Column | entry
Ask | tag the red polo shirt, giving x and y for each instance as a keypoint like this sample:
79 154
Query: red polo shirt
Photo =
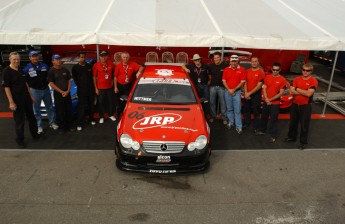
104 74
233 77
125 73
254 77
303 84
274 85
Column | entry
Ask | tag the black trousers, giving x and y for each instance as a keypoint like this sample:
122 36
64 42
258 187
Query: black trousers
24 109
252 105
85 102
271 111
106 102
64 114
300 114
123 90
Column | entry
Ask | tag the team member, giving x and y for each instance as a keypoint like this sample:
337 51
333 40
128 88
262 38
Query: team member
302 90
83 78
19 98
36 73
59 79
273 89
199 74
125 73
252 94
216 87
233 79
103 72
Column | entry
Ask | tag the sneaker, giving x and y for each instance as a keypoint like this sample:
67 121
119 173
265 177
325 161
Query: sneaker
225 122
93 123
112 118
101 120
239 130
21 145
230 126
79 128
54 126
272 140
39 130
259 133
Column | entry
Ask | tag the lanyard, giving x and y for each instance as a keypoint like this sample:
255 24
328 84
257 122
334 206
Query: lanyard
125 68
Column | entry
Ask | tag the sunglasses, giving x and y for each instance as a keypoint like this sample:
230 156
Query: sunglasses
275 70
307 70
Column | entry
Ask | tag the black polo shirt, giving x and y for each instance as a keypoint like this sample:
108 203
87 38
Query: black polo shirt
83 78
16 81
216 72
60 77
198 75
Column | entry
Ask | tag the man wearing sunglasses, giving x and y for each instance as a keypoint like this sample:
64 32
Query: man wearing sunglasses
272 89
302 90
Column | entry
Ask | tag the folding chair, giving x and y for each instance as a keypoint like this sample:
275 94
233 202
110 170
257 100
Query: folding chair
182 57
168 57
151 57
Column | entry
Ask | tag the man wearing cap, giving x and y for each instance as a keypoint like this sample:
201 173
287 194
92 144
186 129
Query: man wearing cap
19 98
216 87
37 73
252 94
59 79
199 74
233 79
103 72
125 74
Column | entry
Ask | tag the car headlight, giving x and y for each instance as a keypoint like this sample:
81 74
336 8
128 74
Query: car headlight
199 143
127 142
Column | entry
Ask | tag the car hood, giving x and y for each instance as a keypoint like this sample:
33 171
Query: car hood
163 122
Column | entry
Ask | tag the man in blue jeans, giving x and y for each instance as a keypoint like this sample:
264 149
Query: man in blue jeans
216 87
36 73
234 77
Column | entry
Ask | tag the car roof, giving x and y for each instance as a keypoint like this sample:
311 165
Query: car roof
164 70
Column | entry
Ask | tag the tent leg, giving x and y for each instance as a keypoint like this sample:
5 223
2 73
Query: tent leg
330 84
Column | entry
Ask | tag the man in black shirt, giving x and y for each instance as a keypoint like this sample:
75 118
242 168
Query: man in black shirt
20 98
83 78
216 87
59 79
199 74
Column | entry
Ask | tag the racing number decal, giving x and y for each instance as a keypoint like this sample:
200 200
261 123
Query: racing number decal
156 120
136 115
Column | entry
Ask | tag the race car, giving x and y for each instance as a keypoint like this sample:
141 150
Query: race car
163 129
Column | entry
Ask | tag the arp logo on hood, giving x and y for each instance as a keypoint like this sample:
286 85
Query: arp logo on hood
157 120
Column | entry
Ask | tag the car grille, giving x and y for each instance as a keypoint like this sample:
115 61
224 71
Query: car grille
163 147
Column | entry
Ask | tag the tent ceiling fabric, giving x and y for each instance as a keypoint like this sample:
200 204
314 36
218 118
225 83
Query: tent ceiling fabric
266 24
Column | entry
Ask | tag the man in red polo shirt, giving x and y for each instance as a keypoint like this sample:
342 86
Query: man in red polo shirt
252 94
103 72
302 89
272 89
125 74
233 78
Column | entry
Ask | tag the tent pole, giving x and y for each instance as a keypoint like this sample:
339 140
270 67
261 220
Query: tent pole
97 51
330 83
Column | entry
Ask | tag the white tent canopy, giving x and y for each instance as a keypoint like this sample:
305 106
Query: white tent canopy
266 24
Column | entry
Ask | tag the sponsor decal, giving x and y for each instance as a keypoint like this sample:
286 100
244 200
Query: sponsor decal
143 99
179 128
163 159
164 81
162 171
157 120
164 72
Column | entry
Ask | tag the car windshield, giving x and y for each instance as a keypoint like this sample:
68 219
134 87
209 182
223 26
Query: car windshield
164 91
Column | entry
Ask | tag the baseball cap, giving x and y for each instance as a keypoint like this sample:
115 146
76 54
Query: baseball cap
56 56
234 57
103 53
31 53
